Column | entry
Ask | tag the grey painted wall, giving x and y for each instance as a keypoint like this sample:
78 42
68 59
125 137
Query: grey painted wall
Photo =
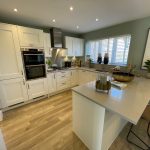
138 30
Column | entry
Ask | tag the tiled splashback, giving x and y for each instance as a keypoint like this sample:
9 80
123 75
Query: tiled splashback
58 59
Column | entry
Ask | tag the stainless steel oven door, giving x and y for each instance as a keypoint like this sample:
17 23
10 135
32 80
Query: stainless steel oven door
35 71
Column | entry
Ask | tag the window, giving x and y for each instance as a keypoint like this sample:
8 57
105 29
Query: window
116 47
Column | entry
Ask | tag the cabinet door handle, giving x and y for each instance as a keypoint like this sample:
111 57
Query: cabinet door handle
23 82
28 86
63 76
54 76
21 72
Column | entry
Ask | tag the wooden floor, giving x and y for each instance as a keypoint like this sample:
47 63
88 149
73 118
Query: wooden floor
47 125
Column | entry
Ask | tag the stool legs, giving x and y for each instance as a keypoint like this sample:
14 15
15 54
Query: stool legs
130 131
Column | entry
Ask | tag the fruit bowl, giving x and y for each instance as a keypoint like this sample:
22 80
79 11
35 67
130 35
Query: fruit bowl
123 76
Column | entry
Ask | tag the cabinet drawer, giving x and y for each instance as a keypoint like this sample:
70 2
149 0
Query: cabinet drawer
63 85
63 74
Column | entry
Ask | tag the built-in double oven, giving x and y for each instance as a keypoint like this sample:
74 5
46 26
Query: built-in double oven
34 63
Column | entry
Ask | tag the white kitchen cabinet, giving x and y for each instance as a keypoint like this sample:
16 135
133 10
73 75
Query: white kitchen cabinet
37 88
74 77
12 92
83 77
81 47
51 83
92 76
75 46
47 45
63 80
86 76
10 55
69 46
30 37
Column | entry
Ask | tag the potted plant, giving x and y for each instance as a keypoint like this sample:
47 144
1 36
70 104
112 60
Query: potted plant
147 65
49 63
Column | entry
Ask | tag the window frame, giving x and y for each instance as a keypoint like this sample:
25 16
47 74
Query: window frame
104 38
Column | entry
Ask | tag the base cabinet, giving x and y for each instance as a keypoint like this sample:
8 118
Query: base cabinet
12 92
37 88
74 77
86 76
83 77
63 80
51 77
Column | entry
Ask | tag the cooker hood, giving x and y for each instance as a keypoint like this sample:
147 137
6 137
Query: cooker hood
56 38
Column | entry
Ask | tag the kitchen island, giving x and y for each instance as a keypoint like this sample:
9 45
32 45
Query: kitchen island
98 118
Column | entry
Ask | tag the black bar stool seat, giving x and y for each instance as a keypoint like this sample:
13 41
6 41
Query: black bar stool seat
145 116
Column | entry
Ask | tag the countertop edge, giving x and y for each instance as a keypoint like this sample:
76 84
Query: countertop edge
134 122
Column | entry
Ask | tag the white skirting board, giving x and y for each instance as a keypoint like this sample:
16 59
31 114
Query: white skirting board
93 124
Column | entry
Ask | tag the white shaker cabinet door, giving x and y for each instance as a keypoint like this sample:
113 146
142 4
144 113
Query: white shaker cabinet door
76 46
37 88
47 45
12 92
51 82
81 47
74 77
30 37
10 55
68 45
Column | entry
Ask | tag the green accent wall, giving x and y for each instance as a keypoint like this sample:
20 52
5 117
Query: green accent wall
138 30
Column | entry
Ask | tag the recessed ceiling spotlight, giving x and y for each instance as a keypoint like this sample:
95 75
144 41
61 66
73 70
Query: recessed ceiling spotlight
71 8
15 9
97 19
54 20
77 27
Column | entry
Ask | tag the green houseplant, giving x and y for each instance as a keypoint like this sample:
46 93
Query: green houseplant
147 65
49 63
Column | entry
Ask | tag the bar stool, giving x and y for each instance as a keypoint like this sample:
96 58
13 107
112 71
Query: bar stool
145 116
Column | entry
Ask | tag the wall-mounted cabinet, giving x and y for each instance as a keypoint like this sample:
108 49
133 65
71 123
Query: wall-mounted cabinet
30 37
75 46
47 45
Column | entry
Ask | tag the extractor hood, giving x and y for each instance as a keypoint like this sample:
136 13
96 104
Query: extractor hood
56 38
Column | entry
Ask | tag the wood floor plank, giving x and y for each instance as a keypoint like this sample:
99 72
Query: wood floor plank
47 125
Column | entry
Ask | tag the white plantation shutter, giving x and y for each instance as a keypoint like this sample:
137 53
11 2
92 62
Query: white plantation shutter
116 47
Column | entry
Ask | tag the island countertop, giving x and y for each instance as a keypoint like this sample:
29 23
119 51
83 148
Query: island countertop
130 102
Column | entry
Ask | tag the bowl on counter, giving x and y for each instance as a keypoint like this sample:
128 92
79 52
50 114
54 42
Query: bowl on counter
123 76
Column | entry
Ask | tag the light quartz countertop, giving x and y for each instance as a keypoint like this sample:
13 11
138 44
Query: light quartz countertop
72 68
130 102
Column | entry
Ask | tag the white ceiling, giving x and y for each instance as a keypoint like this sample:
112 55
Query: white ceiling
41 12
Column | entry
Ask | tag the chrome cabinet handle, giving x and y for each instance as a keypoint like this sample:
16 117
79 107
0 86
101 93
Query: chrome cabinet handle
28 86
23 82
21 72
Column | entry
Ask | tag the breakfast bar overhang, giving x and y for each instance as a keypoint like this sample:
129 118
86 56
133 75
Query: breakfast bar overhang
98 118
